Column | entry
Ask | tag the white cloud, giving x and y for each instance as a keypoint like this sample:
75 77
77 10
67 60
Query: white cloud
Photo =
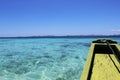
116 30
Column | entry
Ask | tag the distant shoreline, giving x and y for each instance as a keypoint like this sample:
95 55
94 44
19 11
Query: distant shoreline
69 36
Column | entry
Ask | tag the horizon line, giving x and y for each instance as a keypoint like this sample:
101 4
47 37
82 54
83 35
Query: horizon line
54 36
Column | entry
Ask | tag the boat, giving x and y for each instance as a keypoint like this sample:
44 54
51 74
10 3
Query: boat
103 61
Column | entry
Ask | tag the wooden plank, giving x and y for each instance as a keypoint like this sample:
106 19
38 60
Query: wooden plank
104 68
87 65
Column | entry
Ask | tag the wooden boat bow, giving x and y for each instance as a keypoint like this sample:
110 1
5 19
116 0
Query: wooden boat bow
103 62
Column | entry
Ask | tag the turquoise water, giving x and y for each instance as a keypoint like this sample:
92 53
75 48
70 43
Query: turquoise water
43 58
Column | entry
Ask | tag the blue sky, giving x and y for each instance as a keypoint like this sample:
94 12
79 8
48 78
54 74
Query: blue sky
59 17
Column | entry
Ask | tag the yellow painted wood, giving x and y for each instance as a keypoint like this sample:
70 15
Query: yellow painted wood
118 46
85 72
104 68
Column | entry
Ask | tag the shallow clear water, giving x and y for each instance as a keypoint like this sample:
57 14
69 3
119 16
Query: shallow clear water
43 58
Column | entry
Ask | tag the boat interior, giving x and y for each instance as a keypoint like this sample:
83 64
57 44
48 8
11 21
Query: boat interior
105 63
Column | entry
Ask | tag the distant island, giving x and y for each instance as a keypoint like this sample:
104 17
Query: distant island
67 36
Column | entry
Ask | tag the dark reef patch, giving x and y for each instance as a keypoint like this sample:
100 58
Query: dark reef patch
86 44
35 48
84 59
66 45
62 56
83 44
47 56
77 57
8 55
59 78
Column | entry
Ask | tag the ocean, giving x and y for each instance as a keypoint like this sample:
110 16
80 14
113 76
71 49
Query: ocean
43 58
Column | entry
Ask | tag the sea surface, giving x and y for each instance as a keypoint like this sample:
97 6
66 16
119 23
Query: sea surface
43 58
